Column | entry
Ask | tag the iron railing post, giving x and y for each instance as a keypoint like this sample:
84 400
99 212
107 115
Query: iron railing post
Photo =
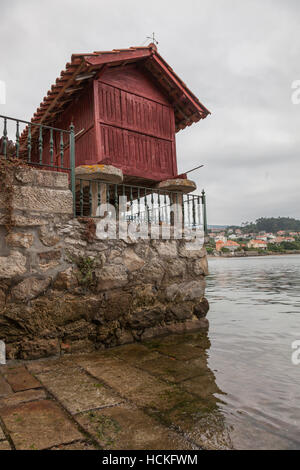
204 212
72 166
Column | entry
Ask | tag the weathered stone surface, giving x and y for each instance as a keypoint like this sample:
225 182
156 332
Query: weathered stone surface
52 179
20 379
191 250
38 425
175 267
52 201
49 259
4 445
76 390
180 311
28 221
124 295
38 348
166 249
172 370
146 317
180 351
201 266
111 277
19 239
5 388
12 265
132 261
132 383
25 175
66 280
153 271
125 427
186 290
178 184
2 435
201 309
104 172
2 297
22 397
30 288
118 303
48 238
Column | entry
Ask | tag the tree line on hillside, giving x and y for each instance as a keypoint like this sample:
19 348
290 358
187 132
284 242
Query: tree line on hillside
271 224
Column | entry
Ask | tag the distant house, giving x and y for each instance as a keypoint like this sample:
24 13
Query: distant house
284 239
258 244
262 237
229 244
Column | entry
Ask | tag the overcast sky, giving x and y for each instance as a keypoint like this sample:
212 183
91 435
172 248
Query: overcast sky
239 57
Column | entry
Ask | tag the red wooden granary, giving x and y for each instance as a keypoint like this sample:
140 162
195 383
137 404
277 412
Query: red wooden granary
127 106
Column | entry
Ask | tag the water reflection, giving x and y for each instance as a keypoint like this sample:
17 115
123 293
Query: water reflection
198 412
254 318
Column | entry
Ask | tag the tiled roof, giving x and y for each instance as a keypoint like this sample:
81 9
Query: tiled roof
188 108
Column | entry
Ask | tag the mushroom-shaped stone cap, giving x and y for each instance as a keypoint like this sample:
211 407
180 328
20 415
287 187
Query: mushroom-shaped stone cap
107 173
180 185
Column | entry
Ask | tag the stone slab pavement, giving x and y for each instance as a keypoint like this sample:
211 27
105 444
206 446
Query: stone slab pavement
156 395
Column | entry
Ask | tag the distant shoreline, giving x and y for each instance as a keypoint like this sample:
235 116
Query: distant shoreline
252 254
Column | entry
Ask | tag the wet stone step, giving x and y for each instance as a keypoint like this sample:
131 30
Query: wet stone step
136 385
5 388
20 379
38 425
77 392
125 427
22 397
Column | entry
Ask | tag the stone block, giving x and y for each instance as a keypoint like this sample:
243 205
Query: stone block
30 288
47 237
22 397
146 317
51 201
179 185
52 179
132 261
125 427
110 277
76 390
201 266
20 379
166 249
49 259
192 249
12 265
19 239
38 425
186 290
38 348
25 175
108 173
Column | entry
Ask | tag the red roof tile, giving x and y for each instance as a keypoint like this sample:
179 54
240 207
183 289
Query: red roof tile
188 109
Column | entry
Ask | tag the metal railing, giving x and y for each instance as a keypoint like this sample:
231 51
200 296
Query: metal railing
39 145
142 204
52 148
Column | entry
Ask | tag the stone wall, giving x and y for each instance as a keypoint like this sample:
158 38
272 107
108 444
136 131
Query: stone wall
62 290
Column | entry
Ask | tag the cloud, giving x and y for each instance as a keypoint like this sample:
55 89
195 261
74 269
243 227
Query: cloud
239 58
